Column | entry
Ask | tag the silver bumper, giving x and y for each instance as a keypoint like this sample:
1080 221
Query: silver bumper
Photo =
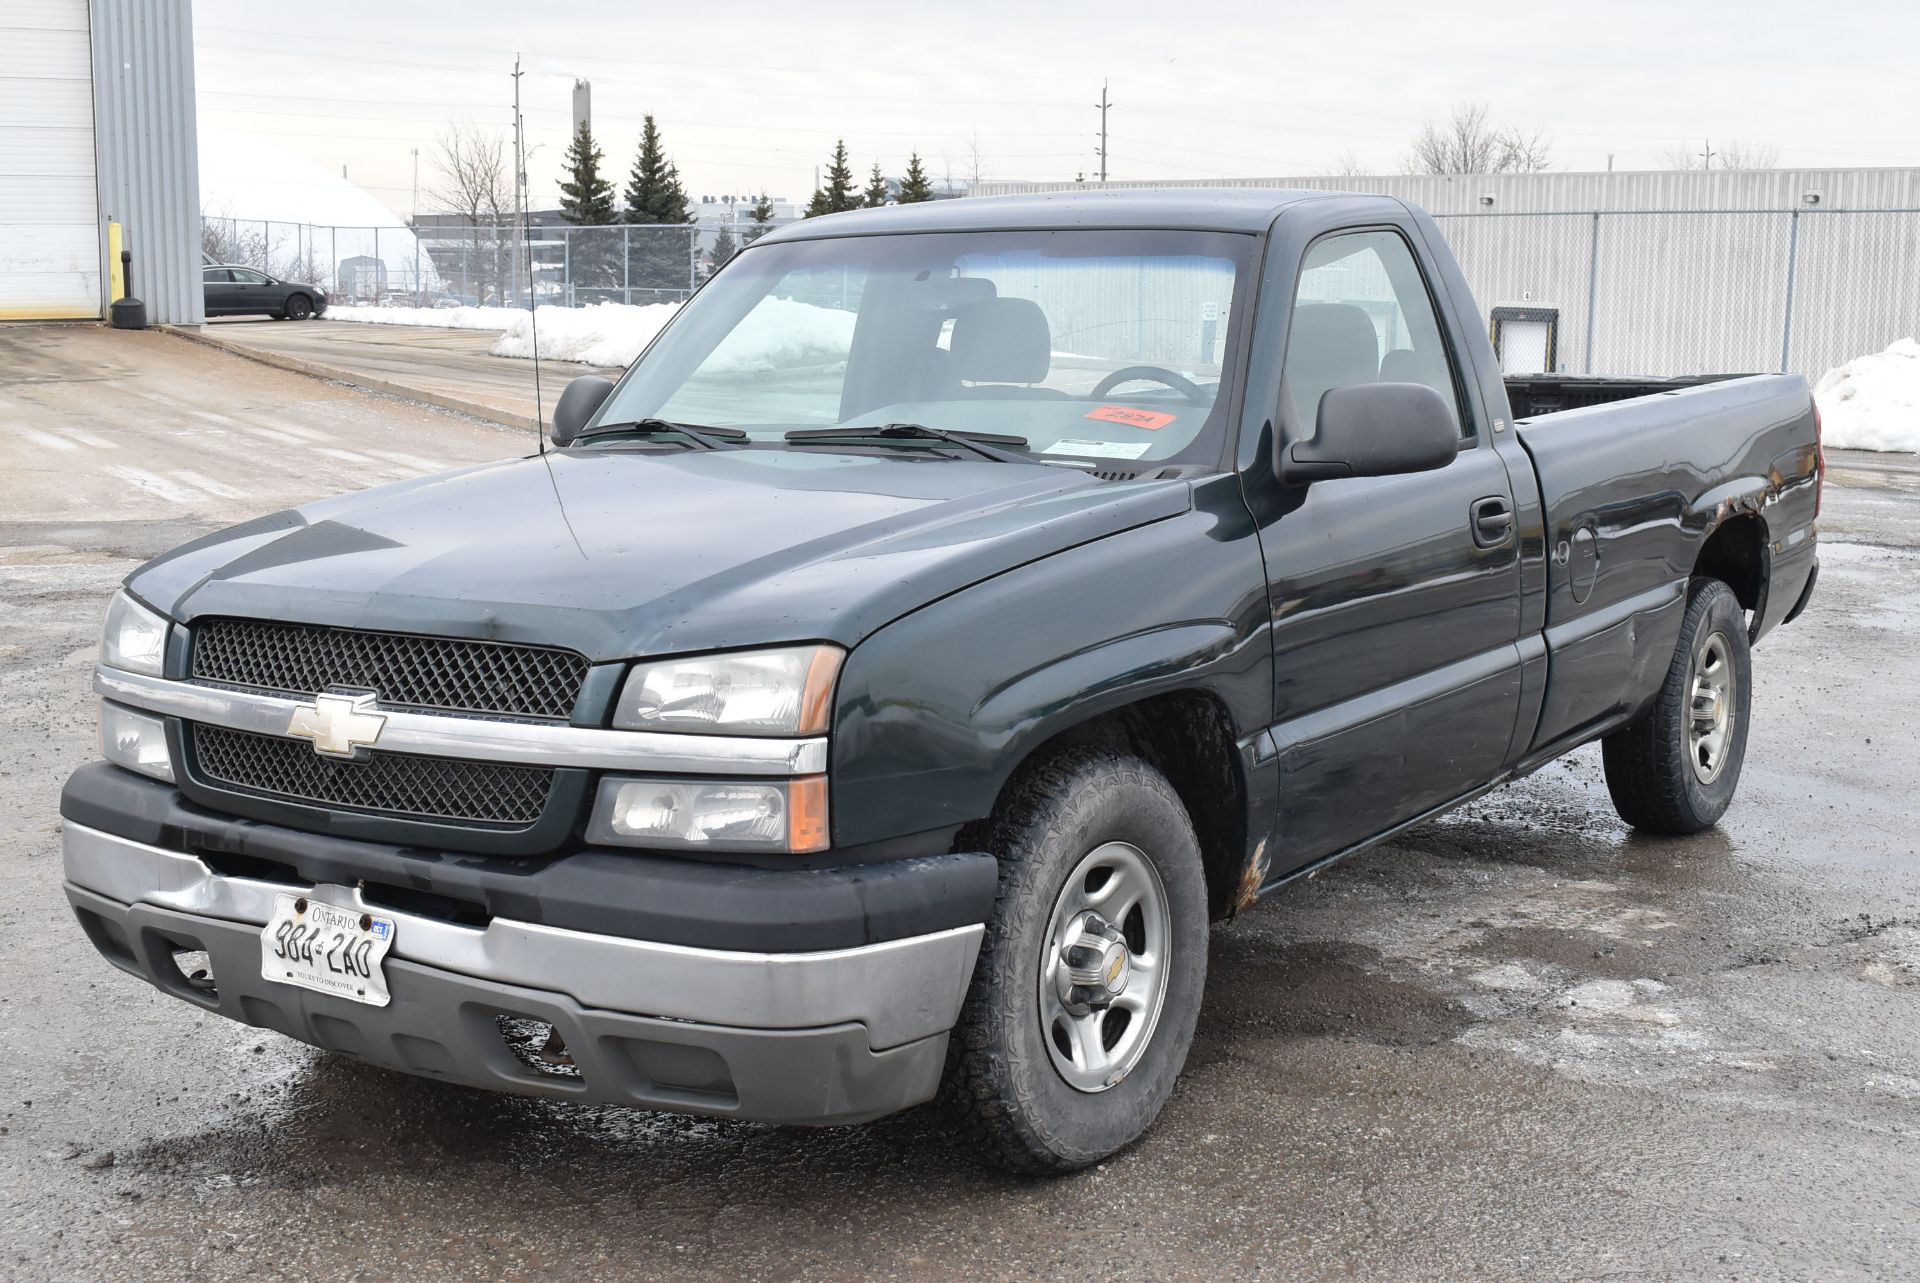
829 1036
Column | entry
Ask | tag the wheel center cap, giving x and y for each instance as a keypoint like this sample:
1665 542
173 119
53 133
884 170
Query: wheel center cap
1097 964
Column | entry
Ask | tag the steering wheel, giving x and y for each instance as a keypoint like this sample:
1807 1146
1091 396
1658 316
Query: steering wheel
1178 382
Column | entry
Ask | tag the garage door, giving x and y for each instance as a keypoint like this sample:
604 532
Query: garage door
49 220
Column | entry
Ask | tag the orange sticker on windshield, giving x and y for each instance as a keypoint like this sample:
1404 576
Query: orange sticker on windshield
1152 420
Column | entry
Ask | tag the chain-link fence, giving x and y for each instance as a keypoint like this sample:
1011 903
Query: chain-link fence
436 265
1635 292
1701 291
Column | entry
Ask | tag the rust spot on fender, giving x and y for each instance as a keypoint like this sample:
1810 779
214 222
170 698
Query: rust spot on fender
1251 878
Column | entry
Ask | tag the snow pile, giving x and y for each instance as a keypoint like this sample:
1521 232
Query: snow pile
1873 402
779 334
451 318
604 334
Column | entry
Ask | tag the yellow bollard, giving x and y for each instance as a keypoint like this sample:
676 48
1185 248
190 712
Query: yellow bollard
117 277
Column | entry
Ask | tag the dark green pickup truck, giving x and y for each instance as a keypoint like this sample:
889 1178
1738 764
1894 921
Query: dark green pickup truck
875 695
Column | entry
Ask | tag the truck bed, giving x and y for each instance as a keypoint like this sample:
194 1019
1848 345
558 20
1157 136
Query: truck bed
1529 396
1630 493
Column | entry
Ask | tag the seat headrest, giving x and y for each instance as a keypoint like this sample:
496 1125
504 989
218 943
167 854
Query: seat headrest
1402 365
1332 345
1002 340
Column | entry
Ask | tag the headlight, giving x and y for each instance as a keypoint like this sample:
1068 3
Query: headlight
135 741
713 815
135 638
788 691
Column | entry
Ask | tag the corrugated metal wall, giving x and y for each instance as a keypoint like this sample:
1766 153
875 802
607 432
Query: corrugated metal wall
148 155
1675 273
1561 193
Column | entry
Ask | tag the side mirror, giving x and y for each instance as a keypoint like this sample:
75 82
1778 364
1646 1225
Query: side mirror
1374 430
578 404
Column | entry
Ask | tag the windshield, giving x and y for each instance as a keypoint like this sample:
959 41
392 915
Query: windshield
1092 345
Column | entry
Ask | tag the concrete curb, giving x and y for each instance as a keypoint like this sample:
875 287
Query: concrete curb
354 378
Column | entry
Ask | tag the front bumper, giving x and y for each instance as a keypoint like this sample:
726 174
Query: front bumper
822 1036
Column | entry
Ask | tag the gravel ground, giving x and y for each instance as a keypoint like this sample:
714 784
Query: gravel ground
1519 1043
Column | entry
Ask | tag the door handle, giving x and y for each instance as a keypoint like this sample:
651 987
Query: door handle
1492 521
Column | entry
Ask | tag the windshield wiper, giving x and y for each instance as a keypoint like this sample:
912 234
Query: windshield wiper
981 443
701 435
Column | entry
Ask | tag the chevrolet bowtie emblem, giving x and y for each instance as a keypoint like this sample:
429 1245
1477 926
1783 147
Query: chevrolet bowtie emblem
337 724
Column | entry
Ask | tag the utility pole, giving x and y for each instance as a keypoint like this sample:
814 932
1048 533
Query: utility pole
1103 104
416 185
1706 157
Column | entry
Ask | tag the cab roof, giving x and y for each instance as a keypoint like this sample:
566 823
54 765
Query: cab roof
1208 209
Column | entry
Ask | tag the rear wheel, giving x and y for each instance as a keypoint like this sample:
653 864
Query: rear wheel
1084 1000
1675 767
299 307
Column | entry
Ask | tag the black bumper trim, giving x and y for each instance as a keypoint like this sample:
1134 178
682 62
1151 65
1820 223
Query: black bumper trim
609 892
443 1025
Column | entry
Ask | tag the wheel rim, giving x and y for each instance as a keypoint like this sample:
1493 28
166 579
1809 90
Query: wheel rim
1710 712
1104 967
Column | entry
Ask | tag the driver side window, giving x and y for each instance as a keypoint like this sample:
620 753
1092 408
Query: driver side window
1362 314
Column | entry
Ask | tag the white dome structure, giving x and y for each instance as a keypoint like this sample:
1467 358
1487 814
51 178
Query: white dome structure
266 207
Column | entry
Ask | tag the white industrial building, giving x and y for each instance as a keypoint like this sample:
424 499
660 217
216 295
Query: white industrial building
97 150
1662 273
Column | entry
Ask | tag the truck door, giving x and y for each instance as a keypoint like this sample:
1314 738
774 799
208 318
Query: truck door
1395 601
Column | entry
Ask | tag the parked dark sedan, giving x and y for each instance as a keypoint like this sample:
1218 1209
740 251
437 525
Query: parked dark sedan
240 291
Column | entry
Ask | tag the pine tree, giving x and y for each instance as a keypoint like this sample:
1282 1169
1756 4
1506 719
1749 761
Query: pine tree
838 195
916 186
657 260
876 194
762 216
723 248
586 200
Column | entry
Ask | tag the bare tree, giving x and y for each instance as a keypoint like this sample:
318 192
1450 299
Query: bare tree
476 185
1469 143
973 166
1723 155
475 181
976 162
1347 165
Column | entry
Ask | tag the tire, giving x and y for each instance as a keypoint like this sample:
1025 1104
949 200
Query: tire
1664 770
299 307
1083 823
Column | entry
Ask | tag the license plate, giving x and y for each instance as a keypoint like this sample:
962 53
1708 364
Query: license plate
311 944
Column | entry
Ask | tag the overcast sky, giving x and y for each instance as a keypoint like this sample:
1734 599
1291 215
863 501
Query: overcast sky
752 95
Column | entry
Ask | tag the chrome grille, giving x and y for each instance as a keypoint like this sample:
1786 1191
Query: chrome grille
403 670
396 784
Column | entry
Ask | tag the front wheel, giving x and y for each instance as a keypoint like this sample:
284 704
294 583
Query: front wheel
299 307
1088 987
1674 768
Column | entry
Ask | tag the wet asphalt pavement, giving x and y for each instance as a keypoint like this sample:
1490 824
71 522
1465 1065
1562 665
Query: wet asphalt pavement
1519 1043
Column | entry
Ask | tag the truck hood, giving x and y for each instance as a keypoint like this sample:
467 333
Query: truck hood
618 553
